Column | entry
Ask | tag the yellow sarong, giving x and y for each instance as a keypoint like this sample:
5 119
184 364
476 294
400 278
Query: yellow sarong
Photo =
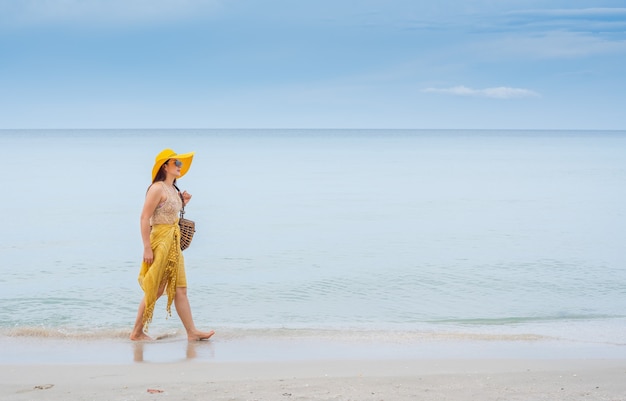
167 269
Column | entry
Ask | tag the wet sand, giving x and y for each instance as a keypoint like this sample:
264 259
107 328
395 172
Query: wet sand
308 369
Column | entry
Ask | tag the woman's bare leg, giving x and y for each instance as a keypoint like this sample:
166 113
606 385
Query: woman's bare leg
138 334
184 312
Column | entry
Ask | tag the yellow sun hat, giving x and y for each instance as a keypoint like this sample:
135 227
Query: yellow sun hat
167 154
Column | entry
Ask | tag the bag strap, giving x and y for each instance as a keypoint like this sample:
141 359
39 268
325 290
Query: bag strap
182 211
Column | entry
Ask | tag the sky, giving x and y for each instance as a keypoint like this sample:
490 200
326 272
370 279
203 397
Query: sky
379 64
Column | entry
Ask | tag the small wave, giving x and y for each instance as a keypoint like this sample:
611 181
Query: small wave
377 336
523 319
235 334
65 333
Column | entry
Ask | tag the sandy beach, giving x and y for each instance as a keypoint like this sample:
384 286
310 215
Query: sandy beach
306 368
445 379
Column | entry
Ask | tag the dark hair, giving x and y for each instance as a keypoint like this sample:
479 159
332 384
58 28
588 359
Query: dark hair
160 175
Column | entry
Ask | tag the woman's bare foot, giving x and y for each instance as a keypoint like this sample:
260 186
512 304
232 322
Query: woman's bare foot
140 337
200 335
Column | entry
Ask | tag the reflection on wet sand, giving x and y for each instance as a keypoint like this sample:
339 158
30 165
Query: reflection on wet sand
191 350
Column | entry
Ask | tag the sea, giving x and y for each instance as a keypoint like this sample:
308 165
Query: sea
397 237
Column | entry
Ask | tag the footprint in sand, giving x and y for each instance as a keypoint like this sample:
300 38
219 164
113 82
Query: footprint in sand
43 386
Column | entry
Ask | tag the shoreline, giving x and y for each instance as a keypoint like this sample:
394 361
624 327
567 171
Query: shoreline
173 347
308 368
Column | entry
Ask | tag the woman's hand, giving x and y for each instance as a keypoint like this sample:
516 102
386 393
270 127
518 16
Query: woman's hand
186 197
148 256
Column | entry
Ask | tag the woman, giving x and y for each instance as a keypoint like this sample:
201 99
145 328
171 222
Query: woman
163 266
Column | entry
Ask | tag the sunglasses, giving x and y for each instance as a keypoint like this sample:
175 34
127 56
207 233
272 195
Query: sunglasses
177 163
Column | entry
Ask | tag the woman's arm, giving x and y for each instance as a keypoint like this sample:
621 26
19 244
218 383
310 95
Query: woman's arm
153 198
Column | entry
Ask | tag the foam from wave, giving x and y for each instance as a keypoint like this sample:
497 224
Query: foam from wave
230 334
65 333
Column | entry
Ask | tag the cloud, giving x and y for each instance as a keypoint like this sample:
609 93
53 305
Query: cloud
501 92
590 20
549 34
547 45
86 12
576 12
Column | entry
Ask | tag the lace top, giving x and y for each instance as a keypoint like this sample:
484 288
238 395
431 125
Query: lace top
167 212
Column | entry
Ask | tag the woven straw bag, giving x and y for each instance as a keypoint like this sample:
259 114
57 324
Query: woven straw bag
187 227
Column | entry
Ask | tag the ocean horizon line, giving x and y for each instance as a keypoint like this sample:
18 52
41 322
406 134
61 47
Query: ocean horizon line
309 129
